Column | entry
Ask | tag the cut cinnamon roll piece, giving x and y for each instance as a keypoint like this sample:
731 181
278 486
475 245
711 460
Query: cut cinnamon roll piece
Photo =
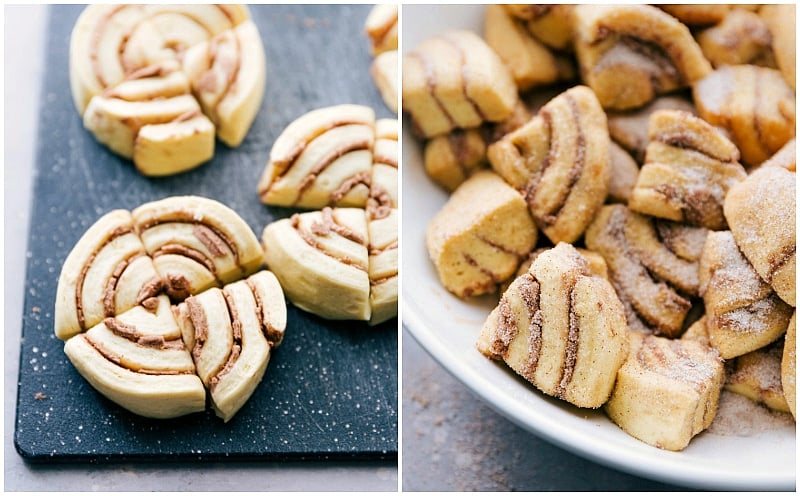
455 80
231 332
743 312
761 213
531 62
667 390
106 273
381 28
688 170
477 240
383 193
138 360
629 54
757 376
196 243
753 104
630 128
559 159
742 37
228 75
163 135
321 260
652 265
550 24
323 158
383 265
560 328
789 366
782 22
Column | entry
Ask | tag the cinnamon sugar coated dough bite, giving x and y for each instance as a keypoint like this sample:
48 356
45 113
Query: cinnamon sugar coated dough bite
128 331
653 146
477 240
183 76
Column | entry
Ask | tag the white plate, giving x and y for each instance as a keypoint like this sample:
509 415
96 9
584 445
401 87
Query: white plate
447 328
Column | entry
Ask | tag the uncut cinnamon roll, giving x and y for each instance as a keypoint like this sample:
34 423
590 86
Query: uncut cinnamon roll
322 158
559 160
652 265
743 312
753 104
761 213
560 328
196 243
629 54
455 80
688 170
107 272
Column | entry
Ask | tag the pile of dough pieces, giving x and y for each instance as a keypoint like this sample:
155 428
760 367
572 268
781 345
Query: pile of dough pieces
624 178
157 83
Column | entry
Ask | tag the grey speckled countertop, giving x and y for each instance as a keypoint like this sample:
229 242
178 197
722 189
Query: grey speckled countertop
24 28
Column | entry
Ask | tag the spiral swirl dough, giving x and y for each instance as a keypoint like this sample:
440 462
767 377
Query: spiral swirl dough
106 273
560 328
761 213
322 158
753 104
321 259
743 312
478 238
629 54
559 160
147 88
455 80
196 243
689 168
667 390
138 360
652 264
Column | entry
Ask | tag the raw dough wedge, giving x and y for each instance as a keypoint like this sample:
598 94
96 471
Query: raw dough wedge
559 159
381 28
231 332
455 80
561 328
688 170
228 75
196 243
743 312
138 360
761 213
667 391
106 273
323 158
629 54
383 264
322 262
652 265
477 240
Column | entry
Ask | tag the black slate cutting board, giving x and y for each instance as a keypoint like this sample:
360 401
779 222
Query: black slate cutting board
330 391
